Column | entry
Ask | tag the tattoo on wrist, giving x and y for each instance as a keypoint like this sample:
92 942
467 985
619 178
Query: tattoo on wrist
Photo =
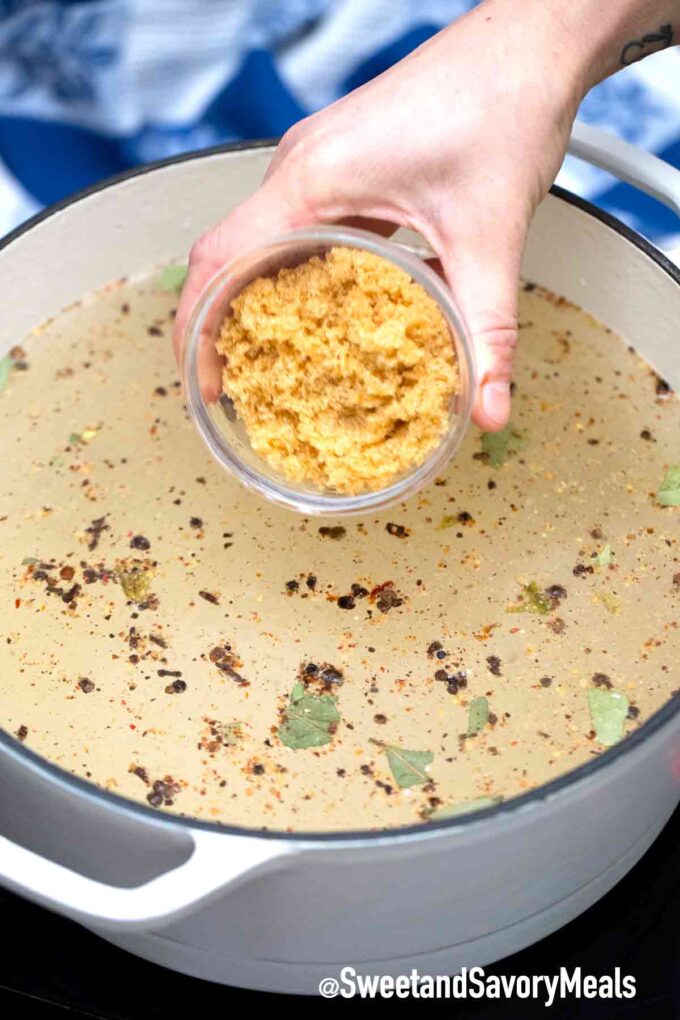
636 49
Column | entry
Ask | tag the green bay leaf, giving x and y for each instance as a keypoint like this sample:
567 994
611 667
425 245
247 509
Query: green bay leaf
173 277
408 767
605 556
534 601
478 715
608 711
669 491
5 369
135 582
309 720
463 807
499 445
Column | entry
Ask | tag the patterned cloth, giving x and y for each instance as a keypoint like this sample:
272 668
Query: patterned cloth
91 87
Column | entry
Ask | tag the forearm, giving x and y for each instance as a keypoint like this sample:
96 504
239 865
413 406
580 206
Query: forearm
603 36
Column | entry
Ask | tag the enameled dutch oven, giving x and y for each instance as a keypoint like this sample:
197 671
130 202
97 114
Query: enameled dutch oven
279 911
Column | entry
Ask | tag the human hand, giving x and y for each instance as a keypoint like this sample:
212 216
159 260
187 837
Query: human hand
459 141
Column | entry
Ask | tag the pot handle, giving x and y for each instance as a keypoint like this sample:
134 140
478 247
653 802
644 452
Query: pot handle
650 174
217 860
643 170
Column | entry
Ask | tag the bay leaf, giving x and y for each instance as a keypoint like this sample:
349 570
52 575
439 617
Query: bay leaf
408 767
499 445
608 711
464 807
173 277
309 720
478 715
669 491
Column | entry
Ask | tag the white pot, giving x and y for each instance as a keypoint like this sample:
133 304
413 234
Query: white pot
282 912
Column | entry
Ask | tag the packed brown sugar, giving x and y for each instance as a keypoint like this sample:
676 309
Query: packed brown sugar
342 370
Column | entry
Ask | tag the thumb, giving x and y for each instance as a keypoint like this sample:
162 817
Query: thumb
484 279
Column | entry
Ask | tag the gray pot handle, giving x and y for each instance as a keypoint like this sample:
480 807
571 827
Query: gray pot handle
217 860
650 174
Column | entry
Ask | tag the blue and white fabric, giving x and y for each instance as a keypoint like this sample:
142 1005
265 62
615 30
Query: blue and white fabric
89 88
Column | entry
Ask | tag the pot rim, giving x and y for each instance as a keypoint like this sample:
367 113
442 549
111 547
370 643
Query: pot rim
363 837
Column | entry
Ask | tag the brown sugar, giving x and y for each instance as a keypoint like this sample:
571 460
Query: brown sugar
342 370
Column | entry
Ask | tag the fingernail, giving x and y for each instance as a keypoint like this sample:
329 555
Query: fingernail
496 401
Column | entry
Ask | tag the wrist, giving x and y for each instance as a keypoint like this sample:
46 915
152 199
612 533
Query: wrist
596 39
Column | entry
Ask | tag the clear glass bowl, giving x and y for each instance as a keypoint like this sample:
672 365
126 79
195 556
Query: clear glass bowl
216 419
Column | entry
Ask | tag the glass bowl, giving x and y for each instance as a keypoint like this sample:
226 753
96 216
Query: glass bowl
216 419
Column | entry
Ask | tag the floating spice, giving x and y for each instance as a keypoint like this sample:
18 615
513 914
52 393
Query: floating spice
309 720
497 446
608 600
494 664
409 768
95 530
325 674
163 792
608 711
397 530
386 597
336 532
135 580
669 492
86 436
226 660
478 716
176 687
533 601
230 733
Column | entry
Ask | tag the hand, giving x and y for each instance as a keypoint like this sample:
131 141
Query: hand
459 141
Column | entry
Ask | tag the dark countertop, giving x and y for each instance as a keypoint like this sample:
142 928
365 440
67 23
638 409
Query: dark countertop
52 968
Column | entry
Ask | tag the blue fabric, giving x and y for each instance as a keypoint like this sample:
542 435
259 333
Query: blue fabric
91 87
